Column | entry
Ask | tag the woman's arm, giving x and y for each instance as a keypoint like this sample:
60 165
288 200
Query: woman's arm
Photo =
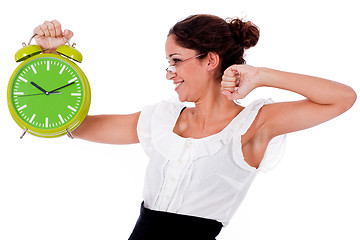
112 129
325 99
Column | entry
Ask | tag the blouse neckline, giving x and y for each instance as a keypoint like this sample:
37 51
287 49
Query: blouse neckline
155 130
215 135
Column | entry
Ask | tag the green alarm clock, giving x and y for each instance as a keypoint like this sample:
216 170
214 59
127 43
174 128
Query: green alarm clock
48 94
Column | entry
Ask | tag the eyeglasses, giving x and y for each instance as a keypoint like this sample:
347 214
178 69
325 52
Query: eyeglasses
172 68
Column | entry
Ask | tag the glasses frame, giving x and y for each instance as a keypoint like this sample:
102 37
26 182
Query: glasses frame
172 67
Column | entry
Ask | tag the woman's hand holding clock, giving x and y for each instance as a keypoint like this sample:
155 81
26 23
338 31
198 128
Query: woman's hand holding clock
43 73
49 35
46 116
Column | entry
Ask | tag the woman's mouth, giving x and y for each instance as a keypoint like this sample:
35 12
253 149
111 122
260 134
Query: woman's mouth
177 85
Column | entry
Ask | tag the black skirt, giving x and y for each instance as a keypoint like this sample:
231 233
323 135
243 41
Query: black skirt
156 225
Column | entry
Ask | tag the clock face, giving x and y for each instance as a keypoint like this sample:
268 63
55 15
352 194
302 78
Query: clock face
47 93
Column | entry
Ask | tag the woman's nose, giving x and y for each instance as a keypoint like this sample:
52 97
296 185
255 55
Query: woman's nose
169 74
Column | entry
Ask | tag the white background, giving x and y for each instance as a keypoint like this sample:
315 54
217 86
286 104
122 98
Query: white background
72 189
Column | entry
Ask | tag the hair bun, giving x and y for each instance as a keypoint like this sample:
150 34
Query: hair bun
245 33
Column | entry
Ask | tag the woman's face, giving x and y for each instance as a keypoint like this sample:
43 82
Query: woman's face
189 78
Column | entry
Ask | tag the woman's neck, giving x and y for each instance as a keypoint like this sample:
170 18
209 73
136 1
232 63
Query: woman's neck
214 107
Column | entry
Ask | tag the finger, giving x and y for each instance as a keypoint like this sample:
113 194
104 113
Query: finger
229 72
57 28
51 29
232 70
228 84
45 29
235 68
228 89
38 31
226 78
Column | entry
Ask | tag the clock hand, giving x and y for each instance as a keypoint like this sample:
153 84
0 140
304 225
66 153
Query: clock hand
61 87
40 88
38 94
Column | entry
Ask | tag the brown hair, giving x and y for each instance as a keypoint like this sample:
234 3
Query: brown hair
207 33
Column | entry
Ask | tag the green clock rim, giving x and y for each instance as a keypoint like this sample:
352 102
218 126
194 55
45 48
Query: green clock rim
73 123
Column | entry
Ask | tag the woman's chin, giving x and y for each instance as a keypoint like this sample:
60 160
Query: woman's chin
182 99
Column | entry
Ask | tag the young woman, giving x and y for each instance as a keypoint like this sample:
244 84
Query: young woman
203 159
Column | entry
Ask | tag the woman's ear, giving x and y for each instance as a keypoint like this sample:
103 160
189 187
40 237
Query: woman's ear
213 61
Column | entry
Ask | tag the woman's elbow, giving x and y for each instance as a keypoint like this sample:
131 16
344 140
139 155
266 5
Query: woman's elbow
349 99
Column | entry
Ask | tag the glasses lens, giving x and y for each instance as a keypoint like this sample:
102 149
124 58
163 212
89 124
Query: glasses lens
171 69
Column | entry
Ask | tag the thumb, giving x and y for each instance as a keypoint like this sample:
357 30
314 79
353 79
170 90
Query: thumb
230 71
68 34
228 94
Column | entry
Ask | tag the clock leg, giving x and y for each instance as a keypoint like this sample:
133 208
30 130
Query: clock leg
22 135
69 134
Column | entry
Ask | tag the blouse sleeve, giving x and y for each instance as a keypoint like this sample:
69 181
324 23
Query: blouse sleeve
273 154
144 128
275 149
155 127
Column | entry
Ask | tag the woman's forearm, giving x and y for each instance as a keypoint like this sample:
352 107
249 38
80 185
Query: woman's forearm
111 129
315 89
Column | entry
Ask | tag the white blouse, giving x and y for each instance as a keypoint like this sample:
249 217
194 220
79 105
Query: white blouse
205 177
